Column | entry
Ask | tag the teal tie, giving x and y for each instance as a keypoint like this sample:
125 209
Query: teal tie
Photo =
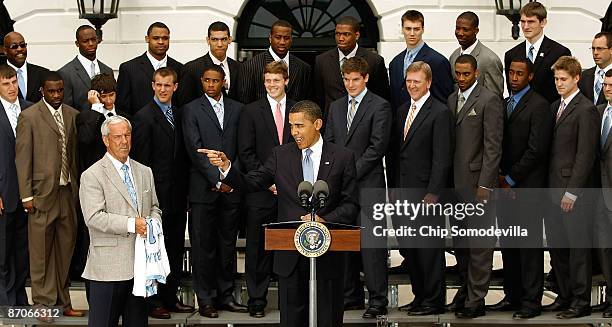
307 166
130 187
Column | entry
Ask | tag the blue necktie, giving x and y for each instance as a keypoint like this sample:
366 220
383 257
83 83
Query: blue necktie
21 81
307 166
530 54
169 116
598 84
510 107
606 127
408 59
130 187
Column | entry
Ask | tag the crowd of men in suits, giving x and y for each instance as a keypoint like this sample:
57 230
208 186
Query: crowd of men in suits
435 123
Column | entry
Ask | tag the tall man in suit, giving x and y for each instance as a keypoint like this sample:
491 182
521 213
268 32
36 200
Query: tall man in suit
592 79
539 49
328 83
479 124
218 40
413 27
117 196
420 159
46 151
489 65
568 223
29 76
528 125
135 76
211 121
280 38
13 219
79 72
158 143
264 124
361 122
289 165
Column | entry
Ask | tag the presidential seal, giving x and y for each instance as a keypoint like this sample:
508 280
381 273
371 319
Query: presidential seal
312 239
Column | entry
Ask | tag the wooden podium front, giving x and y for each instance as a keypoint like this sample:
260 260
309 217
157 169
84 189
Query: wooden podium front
281 239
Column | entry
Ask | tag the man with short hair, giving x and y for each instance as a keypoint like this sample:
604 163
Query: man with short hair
489 65
539 49
190 86
592 79
299 85
135 75
413 27
13 219
328 77
29 76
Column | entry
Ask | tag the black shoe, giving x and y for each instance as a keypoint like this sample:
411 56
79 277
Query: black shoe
257 311
603 306
503 305
425 311
470 313
454 306
555 306
233 307
208 311
526 313
354 306
180 307
373 311
574 313
409 306
607 313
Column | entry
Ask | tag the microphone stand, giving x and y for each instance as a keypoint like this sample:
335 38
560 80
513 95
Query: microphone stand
312 308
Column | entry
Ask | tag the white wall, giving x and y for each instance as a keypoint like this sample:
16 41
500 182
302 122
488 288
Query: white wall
49 25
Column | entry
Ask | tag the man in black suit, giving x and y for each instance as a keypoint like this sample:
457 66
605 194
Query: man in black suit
264 124
568 223
419 160
413 27
361 122
289 165
29 76
190 86
211 121
327 80
591 81
527 133
135 76
299 72
14 268
157 142
539 49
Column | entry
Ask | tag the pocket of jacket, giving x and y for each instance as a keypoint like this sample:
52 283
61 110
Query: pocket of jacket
475 166
104 241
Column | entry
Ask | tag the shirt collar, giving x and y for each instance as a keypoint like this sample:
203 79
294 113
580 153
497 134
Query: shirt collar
359 96
536 46
7 104
99 107
419 103
118 164
276 57
164 106
570 97
273 102
24 67
416 49
467 92
517 96
470 48
597 69
86 62
348 56
157 63
213 102
316 148
217 61
51 109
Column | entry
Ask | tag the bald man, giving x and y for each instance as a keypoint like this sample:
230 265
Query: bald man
29 76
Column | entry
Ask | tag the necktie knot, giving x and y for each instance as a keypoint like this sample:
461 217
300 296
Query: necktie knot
125 168
308 152
110 114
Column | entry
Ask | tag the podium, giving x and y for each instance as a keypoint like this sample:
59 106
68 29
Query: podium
284 236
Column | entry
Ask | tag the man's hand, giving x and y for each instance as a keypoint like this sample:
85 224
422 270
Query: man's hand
29 206
503 183
93 97
482 195
273 189
1 206
567 204
431 198
141 226
216 158
317 218
225 188
506 188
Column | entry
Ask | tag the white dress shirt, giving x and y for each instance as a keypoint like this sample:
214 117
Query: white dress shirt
277 58
419 104
348 56
469 49
536 47
157 64
86 63
7 105
225 67
99 107
273 103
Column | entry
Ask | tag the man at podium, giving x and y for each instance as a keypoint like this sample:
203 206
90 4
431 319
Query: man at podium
289 165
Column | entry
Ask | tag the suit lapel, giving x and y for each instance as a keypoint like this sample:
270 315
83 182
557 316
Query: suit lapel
287 128
570 107
268 118
452 104
145 65
5 124
210 112
228 112
161 120
81 73
296 163
117 181
293 69
418 120
519 107
361 110
327 161
542 53
334 65
67 116
468 104
401 115
589 82
342 113
46 116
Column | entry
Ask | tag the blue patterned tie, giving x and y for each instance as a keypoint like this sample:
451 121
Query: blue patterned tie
219 112
21 82
408 59
598 84
510 107
606 127
307 167
530 54
128 183
169 115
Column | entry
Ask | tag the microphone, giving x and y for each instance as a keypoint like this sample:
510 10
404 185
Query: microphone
321 192
304 193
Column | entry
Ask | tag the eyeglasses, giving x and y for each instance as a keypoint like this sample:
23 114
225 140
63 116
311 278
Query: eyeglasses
14 46
598 49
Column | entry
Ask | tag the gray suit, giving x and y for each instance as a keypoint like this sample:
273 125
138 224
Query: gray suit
77 83
489 65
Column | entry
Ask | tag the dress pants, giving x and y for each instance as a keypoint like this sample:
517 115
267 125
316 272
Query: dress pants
13 257
212 231
373 263
258 262
603 245
51 238
110 300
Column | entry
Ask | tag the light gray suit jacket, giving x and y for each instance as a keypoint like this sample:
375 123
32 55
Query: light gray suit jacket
77 83
489 65
106 207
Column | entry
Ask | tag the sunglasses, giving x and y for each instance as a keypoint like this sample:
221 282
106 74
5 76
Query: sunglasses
14 46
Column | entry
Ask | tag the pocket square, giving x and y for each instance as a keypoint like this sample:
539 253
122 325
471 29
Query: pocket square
472 113
327 162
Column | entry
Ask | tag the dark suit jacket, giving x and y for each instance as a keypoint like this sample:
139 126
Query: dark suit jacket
9 188
91 146
424 158
479 129
201 129
605 165
586 85
77 83
252 82
156 144
284 168
190 85
134 89
257 136
543 81
328 84
574 147
442 79
36 74
368 137
526 144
